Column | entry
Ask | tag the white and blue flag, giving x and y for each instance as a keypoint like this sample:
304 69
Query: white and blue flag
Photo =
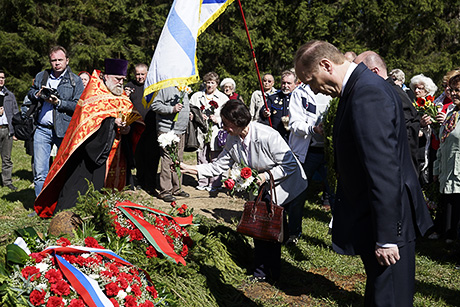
174 61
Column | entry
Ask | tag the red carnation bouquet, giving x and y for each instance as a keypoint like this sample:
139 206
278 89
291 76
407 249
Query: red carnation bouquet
45 280
213 105
241 178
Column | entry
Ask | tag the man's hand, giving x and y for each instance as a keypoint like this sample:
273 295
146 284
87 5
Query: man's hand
387 256
267 113
177 108
121 125
319 129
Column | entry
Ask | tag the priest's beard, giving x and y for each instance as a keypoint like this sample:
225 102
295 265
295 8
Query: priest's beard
115 88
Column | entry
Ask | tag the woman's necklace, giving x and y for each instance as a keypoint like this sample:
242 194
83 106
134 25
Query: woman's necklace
206 96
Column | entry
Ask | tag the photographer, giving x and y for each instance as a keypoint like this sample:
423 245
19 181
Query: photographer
54 94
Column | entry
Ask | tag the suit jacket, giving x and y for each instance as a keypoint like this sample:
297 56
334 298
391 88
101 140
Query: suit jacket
267 152
379 198
412 118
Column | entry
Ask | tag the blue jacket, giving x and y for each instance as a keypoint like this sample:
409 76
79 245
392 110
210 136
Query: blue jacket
11 107
70 89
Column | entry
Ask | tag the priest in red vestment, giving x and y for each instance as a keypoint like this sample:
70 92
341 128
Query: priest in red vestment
91 148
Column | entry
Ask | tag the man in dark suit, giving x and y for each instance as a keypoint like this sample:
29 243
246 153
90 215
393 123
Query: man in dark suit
379 207
376 64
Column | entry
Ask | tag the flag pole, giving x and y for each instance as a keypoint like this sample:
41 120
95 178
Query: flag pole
255 61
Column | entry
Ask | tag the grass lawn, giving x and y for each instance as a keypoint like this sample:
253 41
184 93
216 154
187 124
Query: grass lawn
219 263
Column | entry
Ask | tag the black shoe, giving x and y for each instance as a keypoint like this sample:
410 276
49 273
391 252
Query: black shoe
11 187
168 198
182 194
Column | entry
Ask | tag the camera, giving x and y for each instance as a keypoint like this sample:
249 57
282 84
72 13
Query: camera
47 92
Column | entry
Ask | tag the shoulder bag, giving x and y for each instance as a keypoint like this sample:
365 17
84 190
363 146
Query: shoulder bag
262 220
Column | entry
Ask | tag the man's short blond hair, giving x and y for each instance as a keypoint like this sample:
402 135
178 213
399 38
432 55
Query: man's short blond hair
309 55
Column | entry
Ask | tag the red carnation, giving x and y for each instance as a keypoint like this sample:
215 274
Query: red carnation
147 304
246 172
53 276
153 291
136 290
229 183
112 289
430 98
37 297
91 242
55 301
114 302
63 242
202 107
31 271
130 301
214 104
151 252
38 257
76 303
173 204
60 288
184 251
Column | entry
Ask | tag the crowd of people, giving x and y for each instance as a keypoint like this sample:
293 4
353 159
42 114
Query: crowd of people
386 148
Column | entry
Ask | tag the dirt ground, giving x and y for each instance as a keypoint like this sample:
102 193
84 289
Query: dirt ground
219 206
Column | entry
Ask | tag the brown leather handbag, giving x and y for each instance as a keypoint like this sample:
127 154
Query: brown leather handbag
261 220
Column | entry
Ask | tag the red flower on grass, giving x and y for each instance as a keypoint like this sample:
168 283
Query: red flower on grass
246 172
91 242
151 252
63 242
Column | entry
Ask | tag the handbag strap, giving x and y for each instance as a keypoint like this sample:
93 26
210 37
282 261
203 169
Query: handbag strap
272 189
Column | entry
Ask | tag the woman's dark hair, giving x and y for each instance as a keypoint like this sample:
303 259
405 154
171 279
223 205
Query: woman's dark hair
236 112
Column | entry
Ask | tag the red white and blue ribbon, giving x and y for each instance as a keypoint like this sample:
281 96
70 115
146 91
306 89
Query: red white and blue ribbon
87 287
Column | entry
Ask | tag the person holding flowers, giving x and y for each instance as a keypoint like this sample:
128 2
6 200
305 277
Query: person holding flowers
447 170
172 109
424 89
209 101
262 149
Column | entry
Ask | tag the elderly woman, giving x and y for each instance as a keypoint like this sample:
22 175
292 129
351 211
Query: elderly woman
263 149
447 168
423 87
206 100
228 86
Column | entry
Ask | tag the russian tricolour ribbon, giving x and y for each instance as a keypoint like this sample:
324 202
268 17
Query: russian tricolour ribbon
174 61
87 287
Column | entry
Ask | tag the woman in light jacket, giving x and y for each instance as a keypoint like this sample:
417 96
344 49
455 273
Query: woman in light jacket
447 166
263 149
